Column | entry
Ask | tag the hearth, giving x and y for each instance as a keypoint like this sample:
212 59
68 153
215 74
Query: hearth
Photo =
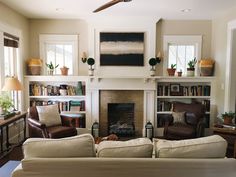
121 119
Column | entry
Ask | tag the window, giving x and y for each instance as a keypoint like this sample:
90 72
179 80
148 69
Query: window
61 50
11 62
180 50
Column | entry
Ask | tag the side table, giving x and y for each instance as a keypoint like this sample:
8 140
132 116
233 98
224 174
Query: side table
230 136
5 123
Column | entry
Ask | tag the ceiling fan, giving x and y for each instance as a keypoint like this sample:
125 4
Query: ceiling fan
109 4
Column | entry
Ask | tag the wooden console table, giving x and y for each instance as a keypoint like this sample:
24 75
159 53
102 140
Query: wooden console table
6 123
230 136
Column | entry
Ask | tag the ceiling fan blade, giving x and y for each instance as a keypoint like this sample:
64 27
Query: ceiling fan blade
109 4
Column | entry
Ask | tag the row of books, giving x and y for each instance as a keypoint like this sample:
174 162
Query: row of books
167 105
180 90
37 89
71 105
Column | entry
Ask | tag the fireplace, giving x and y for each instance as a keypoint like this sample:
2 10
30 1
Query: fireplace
121 119
120 101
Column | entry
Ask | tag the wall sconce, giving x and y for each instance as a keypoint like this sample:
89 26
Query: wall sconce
84 57
158 57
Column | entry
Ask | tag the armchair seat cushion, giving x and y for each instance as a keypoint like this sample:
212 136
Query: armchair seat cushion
61 131
181 130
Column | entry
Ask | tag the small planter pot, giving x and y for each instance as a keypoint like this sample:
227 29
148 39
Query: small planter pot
179 74
152 72
171 72
190 72
64 71
50 72
228 120
91 72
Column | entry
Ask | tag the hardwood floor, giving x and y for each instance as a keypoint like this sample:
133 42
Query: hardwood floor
15 154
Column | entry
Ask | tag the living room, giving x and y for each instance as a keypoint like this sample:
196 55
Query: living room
158 22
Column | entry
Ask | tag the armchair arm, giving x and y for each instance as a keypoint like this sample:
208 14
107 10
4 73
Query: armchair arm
200 128
36 123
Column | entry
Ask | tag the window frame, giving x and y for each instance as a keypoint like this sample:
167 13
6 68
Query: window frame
54 38
195 40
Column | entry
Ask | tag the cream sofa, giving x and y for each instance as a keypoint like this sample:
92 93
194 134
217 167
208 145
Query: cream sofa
75 157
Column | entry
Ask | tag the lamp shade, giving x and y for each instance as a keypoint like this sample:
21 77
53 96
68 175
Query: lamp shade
12 83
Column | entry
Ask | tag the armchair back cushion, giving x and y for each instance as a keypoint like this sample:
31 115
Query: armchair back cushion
75 146
49 115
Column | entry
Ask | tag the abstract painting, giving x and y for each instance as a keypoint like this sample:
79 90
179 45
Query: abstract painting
121 49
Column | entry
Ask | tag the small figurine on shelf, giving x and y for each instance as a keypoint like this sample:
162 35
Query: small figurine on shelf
51 68
91 62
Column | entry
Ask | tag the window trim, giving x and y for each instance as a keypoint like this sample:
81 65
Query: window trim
195 40
52 38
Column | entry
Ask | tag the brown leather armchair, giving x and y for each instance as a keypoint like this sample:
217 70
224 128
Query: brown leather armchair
194 125
37 129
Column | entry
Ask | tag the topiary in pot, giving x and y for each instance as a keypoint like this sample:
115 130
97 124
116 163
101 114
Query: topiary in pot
91 62
152 62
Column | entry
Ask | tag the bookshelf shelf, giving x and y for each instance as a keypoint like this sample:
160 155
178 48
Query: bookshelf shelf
69 92
184 97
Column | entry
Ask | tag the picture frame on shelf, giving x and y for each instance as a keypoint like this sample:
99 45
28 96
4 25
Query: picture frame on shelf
175 90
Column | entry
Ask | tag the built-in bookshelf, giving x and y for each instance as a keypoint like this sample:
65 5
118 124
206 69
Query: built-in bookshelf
69 92
186 90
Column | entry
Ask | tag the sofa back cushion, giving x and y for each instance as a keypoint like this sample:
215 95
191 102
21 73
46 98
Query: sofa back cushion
207 147
136 148
76 146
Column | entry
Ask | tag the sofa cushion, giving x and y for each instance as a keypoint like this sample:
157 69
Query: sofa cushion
207 147
136 148
49 115
75 146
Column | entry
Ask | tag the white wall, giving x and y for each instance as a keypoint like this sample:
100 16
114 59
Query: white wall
219 48
127 24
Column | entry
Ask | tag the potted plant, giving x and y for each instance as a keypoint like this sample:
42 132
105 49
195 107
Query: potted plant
152 62
51 68
5 103
228 117
171 70
64 70
179 73
91 62
191 67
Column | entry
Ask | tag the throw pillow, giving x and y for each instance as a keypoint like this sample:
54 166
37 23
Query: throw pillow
49 115
206 147
179 117
136 148
75 146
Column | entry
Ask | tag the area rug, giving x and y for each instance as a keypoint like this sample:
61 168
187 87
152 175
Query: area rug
6 169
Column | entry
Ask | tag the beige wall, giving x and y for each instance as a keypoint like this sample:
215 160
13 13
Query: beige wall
185 27
219 47
78 27
16 21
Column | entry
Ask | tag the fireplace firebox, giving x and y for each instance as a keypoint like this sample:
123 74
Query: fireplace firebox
121 119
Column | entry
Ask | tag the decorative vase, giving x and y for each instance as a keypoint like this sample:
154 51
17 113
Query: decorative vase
171 71
190 72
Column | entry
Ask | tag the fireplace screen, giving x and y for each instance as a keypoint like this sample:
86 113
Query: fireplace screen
121 119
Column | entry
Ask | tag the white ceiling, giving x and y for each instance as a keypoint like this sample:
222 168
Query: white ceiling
82 9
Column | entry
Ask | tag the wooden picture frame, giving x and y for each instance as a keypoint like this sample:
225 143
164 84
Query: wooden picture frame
121 48
175 90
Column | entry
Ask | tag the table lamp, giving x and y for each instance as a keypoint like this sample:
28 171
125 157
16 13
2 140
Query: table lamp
13 84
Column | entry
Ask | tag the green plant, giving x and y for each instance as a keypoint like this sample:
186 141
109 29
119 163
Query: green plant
229 114
51 66
191 63
152 62
173 66
90 62
5 103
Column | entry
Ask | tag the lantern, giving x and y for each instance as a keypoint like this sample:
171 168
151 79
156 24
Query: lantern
149 130
95 129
